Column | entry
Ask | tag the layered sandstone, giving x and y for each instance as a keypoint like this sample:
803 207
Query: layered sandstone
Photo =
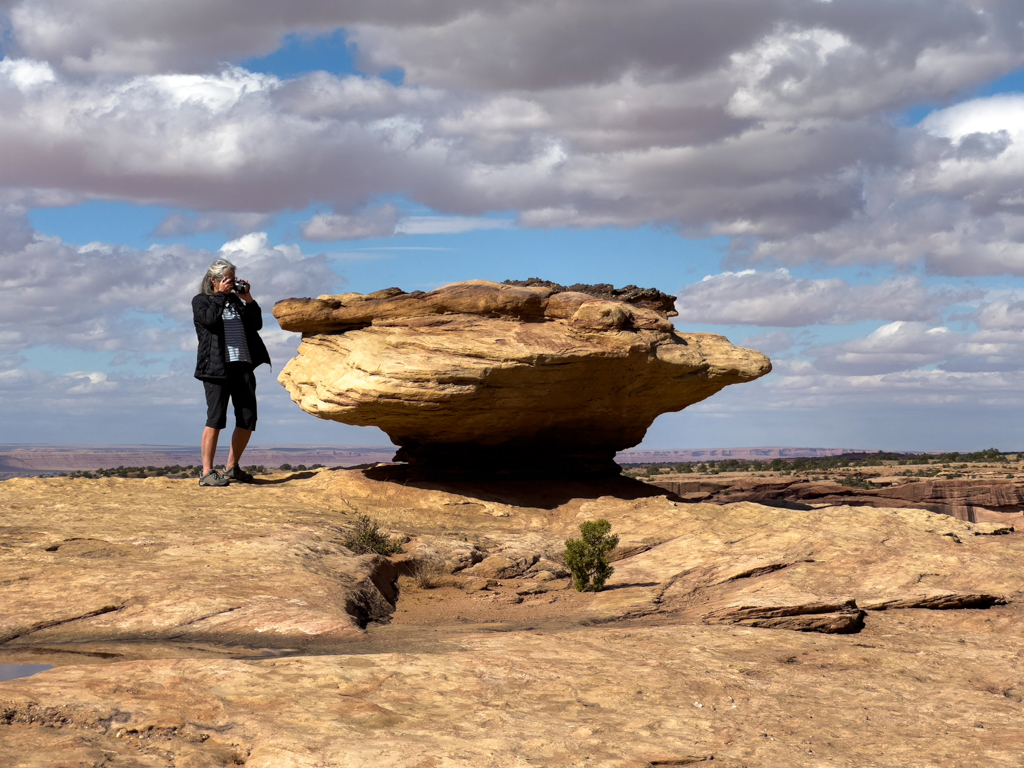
480 375
987 500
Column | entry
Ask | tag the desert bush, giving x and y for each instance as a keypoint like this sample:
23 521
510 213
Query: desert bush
431 572
587 557
367 538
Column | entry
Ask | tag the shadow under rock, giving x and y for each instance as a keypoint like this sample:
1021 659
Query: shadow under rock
288 479
539 493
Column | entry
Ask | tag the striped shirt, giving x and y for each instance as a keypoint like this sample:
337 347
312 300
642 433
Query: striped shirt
234 335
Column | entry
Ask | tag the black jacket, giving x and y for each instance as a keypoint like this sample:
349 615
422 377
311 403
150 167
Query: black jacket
207 311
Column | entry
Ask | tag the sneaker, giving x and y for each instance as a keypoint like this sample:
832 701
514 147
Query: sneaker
238 475
214 479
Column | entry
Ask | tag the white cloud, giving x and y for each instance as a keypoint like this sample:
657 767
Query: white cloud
779 299
978 116
385 221
898 346
189 223
1004 314
447 225
375 222
25 73
906 346
766 121
770 343
256 246
954 200
113 298
89 382
105 36
129 311
957 394
761 120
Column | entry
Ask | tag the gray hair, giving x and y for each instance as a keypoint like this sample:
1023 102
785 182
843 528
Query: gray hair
214 274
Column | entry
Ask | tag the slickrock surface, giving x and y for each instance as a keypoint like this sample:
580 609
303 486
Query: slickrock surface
210 627
157 560
609 697
483 376
971 500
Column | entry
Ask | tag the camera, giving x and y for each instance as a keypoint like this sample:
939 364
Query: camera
241 286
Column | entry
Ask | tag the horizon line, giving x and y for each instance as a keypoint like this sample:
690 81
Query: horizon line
309 446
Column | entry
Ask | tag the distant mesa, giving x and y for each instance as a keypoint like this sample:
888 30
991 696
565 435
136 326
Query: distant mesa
480 376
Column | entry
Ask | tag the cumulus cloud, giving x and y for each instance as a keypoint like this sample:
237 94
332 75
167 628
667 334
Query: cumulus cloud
791 50
906 346
752 119
778 299
189 223
770 343
100 297
100 36
898 346
385 221
447 225
375 222
1003 314
953 200
129 311
89 382
805 387
765 121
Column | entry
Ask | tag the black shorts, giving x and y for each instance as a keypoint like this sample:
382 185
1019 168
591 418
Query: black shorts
240 386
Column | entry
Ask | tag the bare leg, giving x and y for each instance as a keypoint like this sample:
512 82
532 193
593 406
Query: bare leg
210 436
239 439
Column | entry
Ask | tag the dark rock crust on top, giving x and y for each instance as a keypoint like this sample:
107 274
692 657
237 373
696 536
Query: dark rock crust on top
649 298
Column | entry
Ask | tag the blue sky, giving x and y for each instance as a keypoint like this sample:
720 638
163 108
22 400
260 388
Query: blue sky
846 195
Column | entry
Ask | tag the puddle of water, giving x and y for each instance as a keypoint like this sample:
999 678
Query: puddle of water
14 671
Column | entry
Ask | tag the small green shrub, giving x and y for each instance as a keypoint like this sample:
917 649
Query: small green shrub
367 538
587 556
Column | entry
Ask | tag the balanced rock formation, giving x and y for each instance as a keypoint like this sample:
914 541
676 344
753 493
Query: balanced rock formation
481 375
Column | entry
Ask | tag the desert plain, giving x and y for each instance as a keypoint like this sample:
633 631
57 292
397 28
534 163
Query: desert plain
197 627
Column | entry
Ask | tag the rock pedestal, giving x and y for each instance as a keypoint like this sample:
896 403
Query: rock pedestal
481 376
